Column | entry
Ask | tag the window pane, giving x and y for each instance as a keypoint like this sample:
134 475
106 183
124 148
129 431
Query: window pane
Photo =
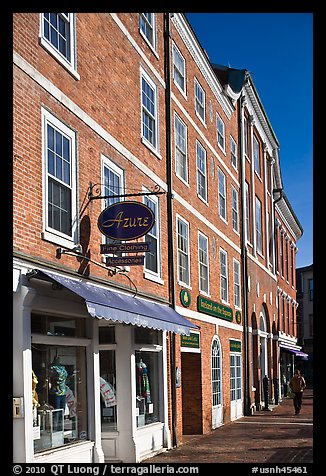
108 390
148 365
60 405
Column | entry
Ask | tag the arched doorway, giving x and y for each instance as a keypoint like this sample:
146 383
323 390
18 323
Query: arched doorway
263 352
216 365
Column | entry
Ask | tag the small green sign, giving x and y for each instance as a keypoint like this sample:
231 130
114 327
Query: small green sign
238 317
214 309
235 345
192 340
185 297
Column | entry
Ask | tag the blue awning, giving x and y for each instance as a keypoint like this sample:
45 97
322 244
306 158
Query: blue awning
296 352
102 302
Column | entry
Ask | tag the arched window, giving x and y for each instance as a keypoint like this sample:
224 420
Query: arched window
216 373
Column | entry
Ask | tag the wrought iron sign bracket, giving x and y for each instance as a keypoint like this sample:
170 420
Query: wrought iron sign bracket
95 192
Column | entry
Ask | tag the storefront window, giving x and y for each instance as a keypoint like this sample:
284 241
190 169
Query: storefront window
59 395
147 388
108 390
58 326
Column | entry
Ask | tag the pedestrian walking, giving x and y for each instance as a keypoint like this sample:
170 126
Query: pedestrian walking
297 385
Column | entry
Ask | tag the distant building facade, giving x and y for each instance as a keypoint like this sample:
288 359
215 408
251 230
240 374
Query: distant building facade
305 318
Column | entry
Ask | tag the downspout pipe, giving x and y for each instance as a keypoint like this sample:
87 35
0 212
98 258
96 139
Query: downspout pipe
244 262
170 227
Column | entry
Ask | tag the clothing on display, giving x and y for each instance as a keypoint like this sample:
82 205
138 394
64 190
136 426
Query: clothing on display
143 386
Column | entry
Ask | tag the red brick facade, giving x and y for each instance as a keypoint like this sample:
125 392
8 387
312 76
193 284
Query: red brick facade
101 105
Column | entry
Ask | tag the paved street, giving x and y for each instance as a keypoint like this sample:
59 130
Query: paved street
275 436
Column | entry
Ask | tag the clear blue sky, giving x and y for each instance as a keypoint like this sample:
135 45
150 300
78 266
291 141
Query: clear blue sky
277 50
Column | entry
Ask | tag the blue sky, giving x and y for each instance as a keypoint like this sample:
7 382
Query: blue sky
277 50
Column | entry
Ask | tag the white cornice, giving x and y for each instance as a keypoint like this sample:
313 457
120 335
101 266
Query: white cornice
201 61
288 219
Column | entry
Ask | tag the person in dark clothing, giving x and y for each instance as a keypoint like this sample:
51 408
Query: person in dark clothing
297 385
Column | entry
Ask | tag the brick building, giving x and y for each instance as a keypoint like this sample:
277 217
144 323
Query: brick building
117 362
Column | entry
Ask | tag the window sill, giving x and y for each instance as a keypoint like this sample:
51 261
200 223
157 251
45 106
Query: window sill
153 277
53 52
57 240
150 147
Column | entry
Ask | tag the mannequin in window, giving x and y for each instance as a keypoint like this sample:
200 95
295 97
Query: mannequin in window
143 387
35 401
58 376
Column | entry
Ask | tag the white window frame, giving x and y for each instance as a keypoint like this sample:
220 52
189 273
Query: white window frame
257 161
203 263
179 151
201 173
49 233
220 133
68 64
187 253
247 211
148 273
221 194
224 275
154 147
107 163
152 25
198 103
259 228
234 153
235 209
236 283
176 54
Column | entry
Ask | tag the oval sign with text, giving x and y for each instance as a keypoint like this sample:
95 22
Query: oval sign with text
126 220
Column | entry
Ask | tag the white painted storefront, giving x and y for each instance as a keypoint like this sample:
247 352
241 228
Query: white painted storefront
106 415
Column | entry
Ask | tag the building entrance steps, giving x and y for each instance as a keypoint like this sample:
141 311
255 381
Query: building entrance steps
275 436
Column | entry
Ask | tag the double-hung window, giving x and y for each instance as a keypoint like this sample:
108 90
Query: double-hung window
259 239
234 155
247 192
199 101
180 138
147 27
236 281
58 38
203 263
220 128
149 116
113 185
59 143
224 275
152 257
183 251
179 69
256 156
221 194
235 209
201 171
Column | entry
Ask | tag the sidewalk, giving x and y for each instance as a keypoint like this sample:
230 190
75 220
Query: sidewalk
275 436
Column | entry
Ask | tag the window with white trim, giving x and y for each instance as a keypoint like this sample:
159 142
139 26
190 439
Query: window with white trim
58 37
247 192
236 283
256 156
224 275
147 27
259 239
149 114
221 194
183 251
179 69
152 257
199 101
201 171
220 129
59 142
234 153
203 263
246 136
113 184
180 140
235 209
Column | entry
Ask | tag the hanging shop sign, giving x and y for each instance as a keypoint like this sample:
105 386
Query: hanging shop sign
125 247
214 309
126 220
238 317
125 260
